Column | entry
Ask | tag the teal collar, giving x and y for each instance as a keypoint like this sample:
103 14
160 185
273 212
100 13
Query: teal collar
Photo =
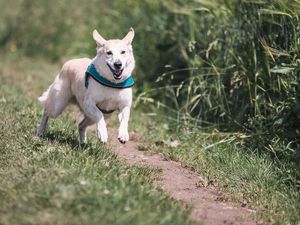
91 71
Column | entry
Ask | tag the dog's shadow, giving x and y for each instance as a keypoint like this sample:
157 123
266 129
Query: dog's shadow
66 139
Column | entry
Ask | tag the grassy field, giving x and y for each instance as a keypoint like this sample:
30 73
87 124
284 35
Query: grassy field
54 180
220 78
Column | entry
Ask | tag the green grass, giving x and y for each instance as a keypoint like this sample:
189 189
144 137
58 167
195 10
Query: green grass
54 180
226 65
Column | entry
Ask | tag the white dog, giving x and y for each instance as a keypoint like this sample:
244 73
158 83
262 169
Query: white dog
98 86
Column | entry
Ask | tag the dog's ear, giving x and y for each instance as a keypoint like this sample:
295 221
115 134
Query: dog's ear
98 38
129 36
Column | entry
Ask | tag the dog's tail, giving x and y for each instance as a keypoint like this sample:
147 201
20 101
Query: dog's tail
43 98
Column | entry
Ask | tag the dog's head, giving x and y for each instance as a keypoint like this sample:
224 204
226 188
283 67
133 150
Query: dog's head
114 57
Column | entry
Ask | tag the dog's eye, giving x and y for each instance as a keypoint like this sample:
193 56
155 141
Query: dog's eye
109 53
122 52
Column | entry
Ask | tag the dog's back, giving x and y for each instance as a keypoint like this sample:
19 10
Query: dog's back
69 83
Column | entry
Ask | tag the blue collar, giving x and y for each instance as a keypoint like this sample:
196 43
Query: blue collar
91 71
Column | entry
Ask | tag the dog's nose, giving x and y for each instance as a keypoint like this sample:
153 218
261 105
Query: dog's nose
118 65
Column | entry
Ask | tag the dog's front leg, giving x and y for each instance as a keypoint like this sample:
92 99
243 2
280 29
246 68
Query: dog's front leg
91 110
123 129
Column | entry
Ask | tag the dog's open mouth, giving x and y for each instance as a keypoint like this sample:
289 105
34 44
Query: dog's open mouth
117 73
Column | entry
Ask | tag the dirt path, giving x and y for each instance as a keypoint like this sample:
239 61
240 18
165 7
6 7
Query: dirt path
183 185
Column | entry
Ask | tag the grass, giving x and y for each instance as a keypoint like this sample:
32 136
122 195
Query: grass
56 181
227 67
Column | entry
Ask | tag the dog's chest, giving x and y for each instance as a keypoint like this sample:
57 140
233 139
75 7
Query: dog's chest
108 103
111 98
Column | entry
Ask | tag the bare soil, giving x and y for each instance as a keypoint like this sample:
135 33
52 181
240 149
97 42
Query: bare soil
184 185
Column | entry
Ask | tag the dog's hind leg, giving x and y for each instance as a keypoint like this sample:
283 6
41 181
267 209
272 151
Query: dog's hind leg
43 124
84 123
54 100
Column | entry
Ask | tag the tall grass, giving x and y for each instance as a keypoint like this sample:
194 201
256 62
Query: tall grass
238 69
243 60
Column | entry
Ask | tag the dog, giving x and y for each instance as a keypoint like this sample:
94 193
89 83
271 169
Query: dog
98 86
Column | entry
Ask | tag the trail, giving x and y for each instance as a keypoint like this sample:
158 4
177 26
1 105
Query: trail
183 185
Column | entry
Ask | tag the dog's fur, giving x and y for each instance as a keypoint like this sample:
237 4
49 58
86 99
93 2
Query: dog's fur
114 60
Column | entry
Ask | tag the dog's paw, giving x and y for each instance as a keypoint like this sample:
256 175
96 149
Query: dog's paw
82 139
102 135
40 132
123 136
82 136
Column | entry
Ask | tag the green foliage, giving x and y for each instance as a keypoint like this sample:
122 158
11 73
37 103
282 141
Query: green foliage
235 66
245 64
